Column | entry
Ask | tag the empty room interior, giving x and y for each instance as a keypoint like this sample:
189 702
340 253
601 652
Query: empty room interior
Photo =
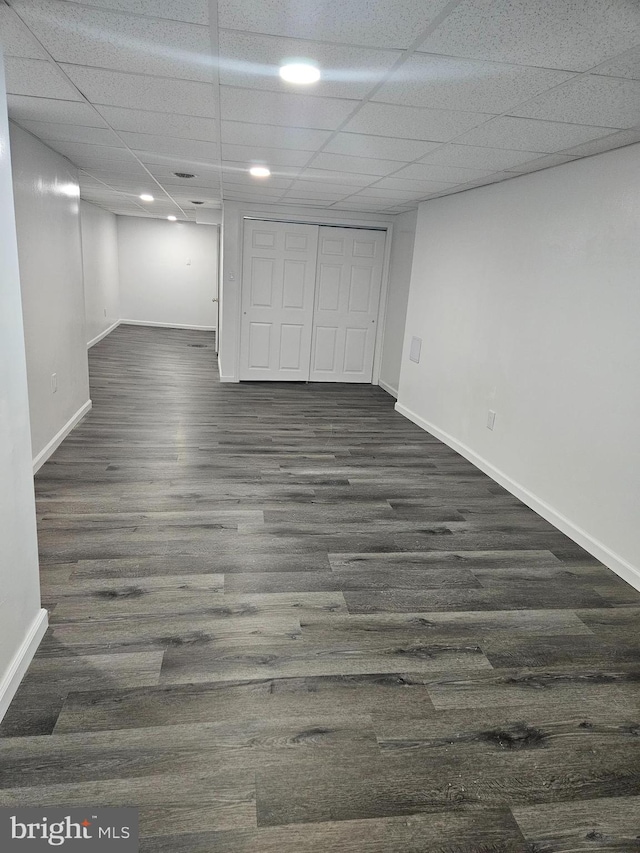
319 425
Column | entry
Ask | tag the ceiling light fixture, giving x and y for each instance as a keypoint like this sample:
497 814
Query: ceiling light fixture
301 72
172 218
196 202
259 171
183 175
146 197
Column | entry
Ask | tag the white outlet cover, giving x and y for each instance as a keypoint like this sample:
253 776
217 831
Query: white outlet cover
491 419
414 350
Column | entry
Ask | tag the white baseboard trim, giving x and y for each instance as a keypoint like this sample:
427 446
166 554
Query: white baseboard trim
59 437
167 325
388 388
104 334
21 660
601 552
224 378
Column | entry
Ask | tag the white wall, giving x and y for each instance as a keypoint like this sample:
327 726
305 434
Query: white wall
526 296
22 622
404 234
230 290
48 223
157 286
100 269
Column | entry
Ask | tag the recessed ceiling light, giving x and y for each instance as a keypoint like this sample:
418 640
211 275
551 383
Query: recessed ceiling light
302 73
183 175
259 171
146 197
172 218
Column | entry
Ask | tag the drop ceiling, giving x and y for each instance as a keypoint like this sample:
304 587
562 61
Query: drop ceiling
418 98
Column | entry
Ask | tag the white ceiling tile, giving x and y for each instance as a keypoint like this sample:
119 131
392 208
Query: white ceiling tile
360 165
283 109
412 186
16 38
166 174
300 139
625 65
604 101
113 88
270 156
435 172
567 35
23 107
383 147
252 61
39 78
85 36
192 11
71 133
526 134
241 170
161 124
170 145
204 193
305 202
339 178
80 152
207 196
412 123
236 194
606 143
541 163
320 188
441 82
389 195
230 178
473 157
109 171
202 181
360 22
366 205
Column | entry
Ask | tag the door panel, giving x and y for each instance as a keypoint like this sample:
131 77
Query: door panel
278 285
346 304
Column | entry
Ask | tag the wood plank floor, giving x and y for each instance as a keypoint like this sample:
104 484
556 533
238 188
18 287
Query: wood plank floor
283 618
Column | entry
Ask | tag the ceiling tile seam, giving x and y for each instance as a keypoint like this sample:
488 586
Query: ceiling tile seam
574 76
507 114
407 53
127 13
215 55
112 107
110 188
324 42
120 71
517 106
60 72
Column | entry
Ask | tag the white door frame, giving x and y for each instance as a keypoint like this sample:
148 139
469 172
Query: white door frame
305 220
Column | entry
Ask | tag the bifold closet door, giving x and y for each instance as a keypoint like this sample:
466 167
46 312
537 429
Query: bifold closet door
347 296
278 284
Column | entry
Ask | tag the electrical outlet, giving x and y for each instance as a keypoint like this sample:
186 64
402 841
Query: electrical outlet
491 419
54 383
105 312
414 350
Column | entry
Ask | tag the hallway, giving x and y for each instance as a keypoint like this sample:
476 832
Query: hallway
284 618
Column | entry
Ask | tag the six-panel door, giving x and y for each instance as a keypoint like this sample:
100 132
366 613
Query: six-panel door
310 297
278 284
348 281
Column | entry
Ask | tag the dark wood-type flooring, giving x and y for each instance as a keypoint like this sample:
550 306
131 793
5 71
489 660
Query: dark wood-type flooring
283 619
